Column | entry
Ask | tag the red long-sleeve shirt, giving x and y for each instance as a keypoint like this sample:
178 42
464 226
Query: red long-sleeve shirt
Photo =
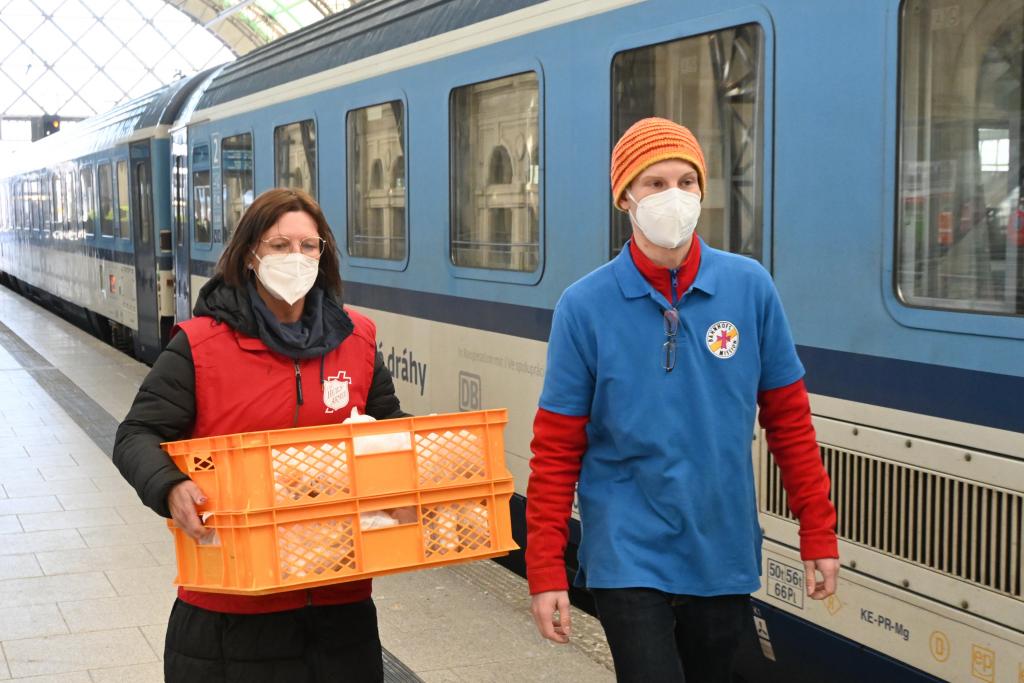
559 442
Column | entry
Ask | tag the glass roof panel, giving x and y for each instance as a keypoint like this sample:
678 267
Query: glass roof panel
79 58
74 19
8 91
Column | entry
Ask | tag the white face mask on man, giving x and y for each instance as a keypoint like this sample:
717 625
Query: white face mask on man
667 218
287 277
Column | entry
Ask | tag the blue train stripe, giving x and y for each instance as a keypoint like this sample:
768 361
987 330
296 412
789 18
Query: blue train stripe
936 390
163 261
512 319
981 398
87 248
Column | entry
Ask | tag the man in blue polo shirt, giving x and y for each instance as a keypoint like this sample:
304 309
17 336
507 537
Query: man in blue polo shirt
657 362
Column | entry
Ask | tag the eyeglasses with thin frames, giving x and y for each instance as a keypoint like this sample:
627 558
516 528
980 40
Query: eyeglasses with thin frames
668 349
310 246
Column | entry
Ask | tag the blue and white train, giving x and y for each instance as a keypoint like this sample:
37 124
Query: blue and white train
867 153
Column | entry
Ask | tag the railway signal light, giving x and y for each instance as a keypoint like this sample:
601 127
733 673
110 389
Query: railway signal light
51 125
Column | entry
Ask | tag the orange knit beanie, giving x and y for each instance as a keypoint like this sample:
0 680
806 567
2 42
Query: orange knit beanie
647 142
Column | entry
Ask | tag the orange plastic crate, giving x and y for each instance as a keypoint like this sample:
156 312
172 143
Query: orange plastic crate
291 548
329 463
286 504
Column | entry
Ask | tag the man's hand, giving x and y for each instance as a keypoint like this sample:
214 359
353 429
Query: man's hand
182 501
829 568
556 627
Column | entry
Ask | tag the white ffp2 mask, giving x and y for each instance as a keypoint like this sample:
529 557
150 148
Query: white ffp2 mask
667 218
288 277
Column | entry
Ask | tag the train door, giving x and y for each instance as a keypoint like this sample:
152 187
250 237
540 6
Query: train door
179 218
148 338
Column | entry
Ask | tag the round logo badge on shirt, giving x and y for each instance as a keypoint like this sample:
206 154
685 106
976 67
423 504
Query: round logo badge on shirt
723 339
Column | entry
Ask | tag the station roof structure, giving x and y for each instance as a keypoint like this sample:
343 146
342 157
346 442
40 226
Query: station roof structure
243 25
78 58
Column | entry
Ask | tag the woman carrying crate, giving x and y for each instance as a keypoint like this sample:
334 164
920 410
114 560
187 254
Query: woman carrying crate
271 347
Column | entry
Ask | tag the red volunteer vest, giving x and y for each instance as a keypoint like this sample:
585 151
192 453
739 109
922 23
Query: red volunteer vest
243 386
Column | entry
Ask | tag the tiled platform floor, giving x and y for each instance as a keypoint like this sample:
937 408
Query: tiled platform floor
86 569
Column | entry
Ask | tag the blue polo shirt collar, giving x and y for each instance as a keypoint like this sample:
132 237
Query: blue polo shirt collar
634 285
707 274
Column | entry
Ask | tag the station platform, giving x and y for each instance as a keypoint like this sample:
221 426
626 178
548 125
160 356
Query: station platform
86 570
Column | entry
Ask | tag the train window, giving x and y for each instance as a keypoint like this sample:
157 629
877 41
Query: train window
49 203
26 209
57 202
202 211
179 182
376 182
19 205
106 188
144 200
39 204
88 202
31 205
295 156
237 188
495 194
28 206
49 184
960 215
5 218
27 194
65 208
71 201
123 200
713 84
65 191
44 204
22 207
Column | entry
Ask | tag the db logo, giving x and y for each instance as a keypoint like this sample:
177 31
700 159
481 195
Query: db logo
469 391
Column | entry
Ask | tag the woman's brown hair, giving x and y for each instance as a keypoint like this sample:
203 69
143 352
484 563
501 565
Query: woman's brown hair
263 213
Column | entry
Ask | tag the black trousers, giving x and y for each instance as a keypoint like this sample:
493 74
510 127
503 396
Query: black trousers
658 637
336 643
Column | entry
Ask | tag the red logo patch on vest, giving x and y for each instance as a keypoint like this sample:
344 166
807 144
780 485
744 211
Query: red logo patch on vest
336 391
